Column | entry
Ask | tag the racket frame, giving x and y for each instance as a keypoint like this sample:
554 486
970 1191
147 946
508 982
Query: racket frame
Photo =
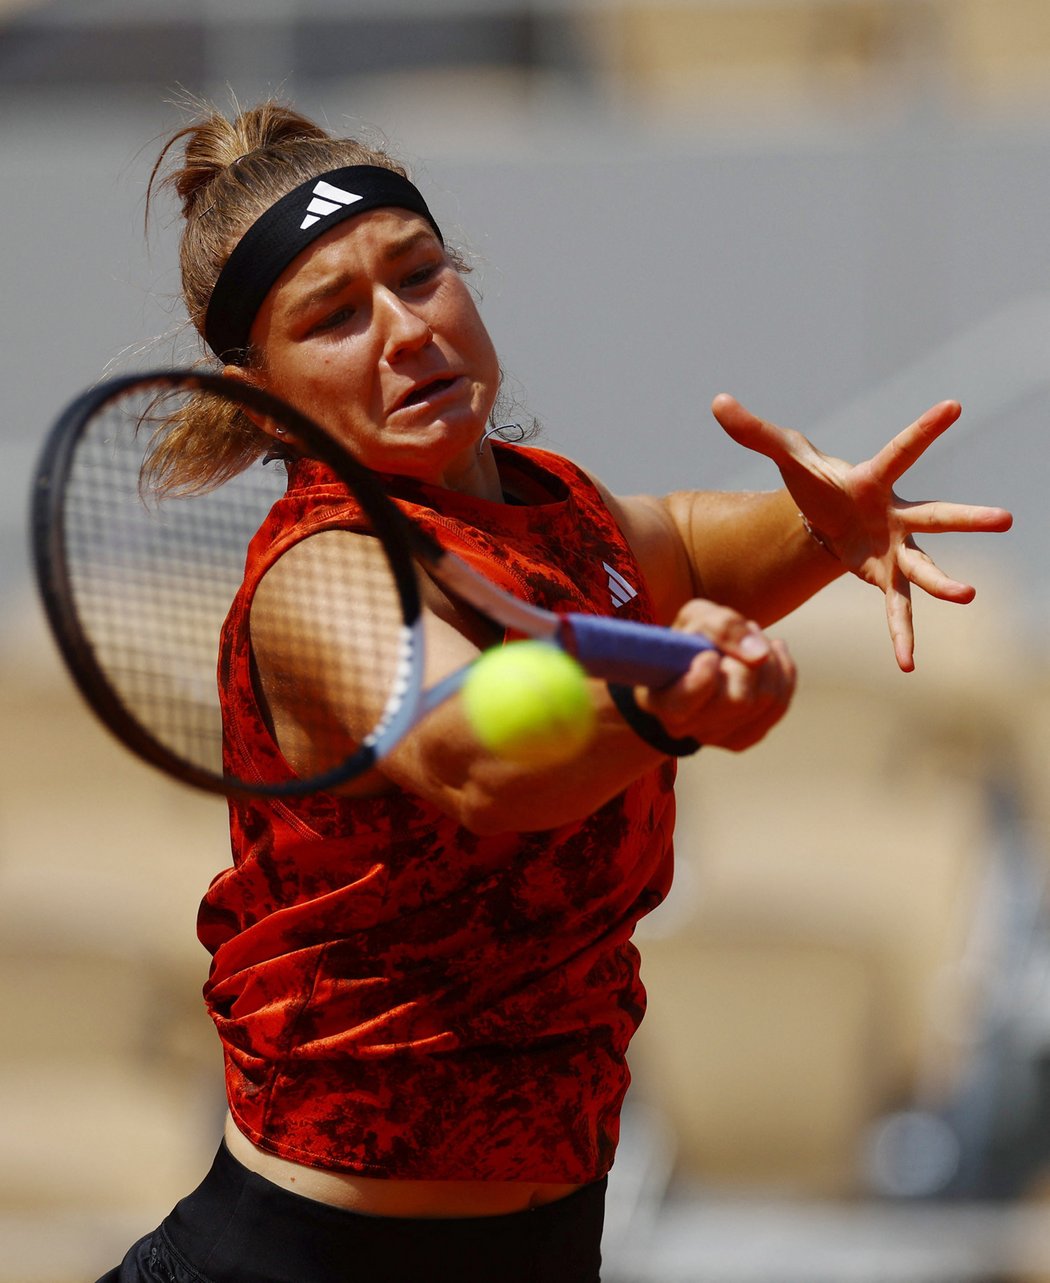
48 533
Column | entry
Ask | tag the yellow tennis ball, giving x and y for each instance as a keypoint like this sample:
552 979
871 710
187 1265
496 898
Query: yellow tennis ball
528 702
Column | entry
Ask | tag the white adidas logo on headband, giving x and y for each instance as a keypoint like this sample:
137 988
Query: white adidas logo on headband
327 199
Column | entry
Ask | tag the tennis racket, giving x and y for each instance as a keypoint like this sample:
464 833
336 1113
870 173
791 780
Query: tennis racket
137 584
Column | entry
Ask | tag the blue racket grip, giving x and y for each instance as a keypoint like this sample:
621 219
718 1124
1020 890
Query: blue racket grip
629 653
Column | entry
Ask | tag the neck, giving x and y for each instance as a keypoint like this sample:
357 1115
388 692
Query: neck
475 474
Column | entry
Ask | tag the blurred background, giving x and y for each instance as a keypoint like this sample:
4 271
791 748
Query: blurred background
834 209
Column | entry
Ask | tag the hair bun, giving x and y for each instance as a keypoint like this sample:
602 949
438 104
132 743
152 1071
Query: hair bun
214 144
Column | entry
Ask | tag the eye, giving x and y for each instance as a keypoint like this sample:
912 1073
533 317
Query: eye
333 320
421 275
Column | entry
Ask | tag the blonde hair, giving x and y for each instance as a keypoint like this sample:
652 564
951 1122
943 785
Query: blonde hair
231 172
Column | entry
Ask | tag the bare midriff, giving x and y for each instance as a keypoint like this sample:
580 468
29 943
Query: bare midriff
372 1196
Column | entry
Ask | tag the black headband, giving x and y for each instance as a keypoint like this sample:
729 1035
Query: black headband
283 232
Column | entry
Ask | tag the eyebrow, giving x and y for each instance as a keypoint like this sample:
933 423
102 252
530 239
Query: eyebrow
339 282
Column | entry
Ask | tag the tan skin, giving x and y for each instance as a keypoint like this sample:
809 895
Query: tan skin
373 331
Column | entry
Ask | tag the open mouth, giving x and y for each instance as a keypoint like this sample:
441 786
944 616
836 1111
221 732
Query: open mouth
427 392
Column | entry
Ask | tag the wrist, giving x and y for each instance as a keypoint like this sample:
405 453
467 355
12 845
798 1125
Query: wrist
817 537
650 728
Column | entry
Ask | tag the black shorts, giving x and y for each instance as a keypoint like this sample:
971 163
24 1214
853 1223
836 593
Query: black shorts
238 1227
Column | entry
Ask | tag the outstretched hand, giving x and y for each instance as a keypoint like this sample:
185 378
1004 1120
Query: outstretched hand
854 510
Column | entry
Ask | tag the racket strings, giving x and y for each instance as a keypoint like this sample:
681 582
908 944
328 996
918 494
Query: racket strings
328 633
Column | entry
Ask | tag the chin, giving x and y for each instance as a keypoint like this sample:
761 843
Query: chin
434 443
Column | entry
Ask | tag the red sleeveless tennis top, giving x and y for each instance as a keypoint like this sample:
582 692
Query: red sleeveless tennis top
397 996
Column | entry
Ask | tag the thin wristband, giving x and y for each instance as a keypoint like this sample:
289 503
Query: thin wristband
648 727
817 537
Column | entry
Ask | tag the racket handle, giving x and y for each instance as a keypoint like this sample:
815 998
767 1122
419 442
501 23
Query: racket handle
629 653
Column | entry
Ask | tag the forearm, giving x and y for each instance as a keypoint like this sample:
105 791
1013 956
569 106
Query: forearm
750 551
443 762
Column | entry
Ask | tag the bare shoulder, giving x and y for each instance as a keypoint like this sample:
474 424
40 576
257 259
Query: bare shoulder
302 579
325 607
648 524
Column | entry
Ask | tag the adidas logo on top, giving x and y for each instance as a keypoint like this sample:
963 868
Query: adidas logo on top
620 590
327 199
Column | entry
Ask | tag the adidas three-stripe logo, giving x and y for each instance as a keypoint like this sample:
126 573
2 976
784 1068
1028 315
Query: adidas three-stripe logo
326 200
620 590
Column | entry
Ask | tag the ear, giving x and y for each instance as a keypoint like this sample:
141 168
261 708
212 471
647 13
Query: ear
241 375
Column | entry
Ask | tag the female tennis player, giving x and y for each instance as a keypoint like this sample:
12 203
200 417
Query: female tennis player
425 986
